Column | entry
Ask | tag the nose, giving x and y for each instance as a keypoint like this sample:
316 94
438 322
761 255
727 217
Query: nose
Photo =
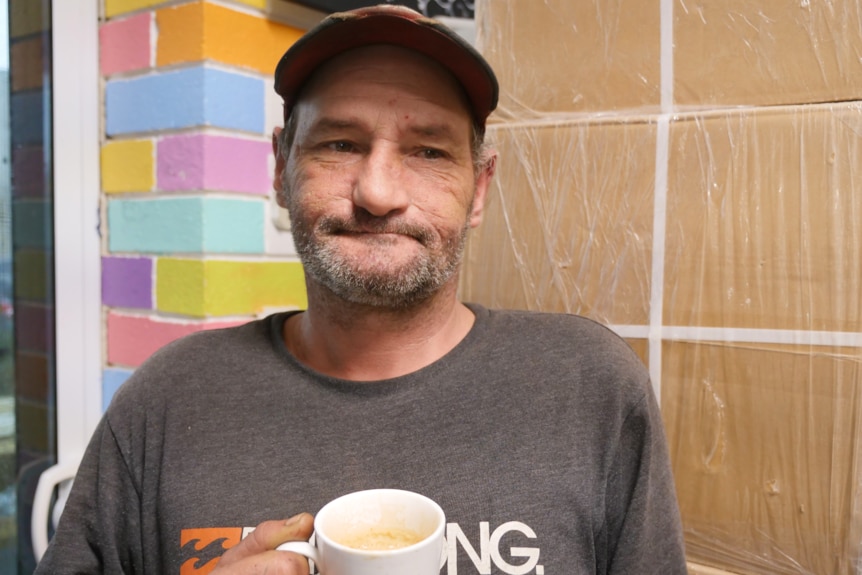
380 187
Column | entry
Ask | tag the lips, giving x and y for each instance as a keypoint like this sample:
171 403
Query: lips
381 228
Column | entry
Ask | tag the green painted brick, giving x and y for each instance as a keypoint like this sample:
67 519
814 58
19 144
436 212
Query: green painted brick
186 225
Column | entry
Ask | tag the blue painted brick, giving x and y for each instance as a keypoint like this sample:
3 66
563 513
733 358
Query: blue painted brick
192 97
112 379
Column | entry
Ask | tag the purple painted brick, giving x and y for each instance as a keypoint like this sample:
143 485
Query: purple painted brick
209 162
127 282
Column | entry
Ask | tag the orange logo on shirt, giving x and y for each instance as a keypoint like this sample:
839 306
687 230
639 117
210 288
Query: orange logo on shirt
204 547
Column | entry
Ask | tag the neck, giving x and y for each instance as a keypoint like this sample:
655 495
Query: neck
365 343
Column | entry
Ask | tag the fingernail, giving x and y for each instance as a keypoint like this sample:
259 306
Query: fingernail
292 521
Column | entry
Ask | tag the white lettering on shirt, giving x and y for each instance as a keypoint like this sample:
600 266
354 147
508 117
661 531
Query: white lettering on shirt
490 551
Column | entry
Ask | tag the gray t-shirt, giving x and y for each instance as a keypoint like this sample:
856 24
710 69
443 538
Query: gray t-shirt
538 434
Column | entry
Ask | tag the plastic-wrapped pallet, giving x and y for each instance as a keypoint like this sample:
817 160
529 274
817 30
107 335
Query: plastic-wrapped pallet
690 174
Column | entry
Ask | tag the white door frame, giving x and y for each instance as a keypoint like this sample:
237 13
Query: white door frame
77 245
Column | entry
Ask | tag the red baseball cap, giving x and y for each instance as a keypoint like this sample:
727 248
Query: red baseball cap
388 24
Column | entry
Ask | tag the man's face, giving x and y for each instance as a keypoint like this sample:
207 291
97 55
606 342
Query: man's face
380 181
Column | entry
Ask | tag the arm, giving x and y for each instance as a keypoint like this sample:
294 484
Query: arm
99 531
644 527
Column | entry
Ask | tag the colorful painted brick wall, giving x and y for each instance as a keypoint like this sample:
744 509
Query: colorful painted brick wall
189 239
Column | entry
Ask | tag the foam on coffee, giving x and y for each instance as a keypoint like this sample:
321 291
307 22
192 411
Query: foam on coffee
381 538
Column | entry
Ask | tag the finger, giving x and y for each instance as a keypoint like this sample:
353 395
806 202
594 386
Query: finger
268 562
269 535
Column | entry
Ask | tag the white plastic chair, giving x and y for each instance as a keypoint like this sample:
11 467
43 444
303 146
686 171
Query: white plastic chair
58 476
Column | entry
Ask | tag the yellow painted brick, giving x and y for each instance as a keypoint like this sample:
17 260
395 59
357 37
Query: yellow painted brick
206 288
180 285
128 166
254 3
237 288
116 7
201 30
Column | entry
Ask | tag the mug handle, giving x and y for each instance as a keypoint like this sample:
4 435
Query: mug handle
302 547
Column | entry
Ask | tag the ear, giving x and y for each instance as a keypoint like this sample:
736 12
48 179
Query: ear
483 184
277 177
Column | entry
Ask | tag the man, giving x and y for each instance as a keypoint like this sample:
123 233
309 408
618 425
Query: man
538 434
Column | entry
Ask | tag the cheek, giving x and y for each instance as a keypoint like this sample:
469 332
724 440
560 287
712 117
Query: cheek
317 194
447 199
447 217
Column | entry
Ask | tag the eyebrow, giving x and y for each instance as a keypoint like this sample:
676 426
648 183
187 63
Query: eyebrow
334 124
437 131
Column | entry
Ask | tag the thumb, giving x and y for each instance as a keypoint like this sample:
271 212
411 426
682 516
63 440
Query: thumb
269 535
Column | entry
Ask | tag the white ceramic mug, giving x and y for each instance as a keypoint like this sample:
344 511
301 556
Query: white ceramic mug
376 518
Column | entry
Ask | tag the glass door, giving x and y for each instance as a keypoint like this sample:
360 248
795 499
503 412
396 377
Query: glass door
8 527
50 338
27 363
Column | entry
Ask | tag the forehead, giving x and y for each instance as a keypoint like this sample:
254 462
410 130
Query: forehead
385 76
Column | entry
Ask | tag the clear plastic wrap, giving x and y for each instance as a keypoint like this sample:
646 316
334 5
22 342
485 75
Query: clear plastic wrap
690 174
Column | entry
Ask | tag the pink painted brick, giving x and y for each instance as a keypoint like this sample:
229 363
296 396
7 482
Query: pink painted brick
125 44
132 339
209 162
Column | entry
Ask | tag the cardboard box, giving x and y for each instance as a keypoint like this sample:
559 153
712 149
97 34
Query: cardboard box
565 56
562 57
567 226
766 53
764 219
696 569
641 348
766 451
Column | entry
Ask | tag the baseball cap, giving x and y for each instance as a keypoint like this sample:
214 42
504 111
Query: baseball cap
388 24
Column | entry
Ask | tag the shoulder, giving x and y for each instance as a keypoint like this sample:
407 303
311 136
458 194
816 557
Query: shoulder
208 345
197 380
183 366
565 348
544 332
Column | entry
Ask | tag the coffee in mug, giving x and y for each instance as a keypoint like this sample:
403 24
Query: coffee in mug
376 532
381 538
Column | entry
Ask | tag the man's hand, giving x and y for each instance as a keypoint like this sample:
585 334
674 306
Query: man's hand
256 553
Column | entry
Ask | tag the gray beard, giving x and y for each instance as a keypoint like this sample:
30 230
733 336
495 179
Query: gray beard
399 288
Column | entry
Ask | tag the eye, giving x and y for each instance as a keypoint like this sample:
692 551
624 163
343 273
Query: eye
431 154
341 146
